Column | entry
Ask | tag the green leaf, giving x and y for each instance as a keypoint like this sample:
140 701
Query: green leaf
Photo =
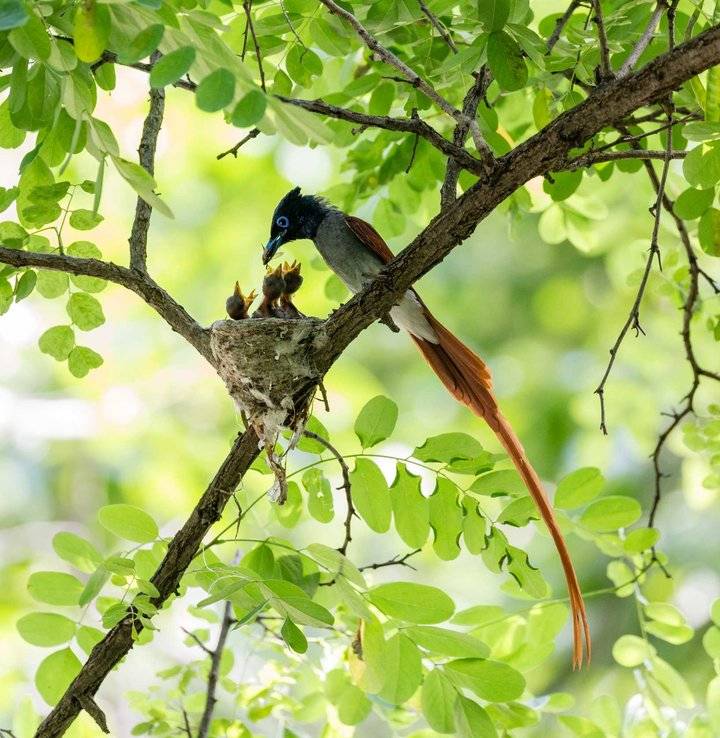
493 14
702 166
709 232
55 673
446 518
91 30
715 612
438 701
370 495
84 220
499 483
669 684
578 488
692 203
216 90
519 512
293 636
82 359
641 539
169 68
289 513
447 642
472 721
7 197
449 447
52 284
410 508
376 421
94 585
31 39
610 513
320 498
414 603
563 184
46 628
352 706
87 638
57 342
55 588
76 551
291 601
249 110
12 14
506 61
25 285
85 311
142 182
335 563
128 522
142 45
403 669
493 681
631 651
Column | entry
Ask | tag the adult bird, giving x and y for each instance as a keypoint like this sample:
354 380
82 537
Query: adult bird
356 252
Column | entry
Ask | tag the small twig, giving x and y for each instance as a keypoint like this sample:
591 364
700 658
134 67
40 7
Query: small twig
234 149
186 723
560 23
344 486
597 157
412 155
213 676
643 41
247 7
394 561
605 69
146 153
633 319
91 708
438 26
198 642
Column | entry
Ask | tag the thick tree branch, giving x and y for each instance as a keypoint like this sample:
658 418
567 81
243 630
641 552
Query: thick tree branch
540 154
183 547
139 282
146 153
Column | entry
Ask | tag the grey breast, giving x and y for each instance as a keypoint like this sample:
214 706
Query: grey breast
344 253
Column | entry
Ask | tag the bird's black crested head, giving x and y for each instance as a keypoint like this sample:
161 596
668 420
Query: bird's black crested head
296 216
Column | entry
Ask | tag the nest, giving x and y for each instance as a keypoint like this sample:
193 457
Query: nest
268 368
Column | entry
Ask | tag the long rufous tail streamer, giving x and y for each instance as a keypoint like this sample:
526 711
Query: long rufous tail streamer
468 379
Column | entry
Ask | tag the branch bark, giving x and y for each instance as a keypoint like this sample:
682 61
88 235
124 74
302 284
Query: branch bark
146 154
183 547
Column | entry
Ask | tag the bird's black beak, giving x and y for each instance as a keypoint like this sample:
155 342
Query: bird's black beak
272 246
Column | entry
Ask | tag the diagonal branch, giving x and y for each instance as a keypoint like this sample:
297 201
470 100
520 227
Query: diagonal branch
183 547
407 125
605 70
411 76
644 40
438 26
598 157
146 153
139 282
560 24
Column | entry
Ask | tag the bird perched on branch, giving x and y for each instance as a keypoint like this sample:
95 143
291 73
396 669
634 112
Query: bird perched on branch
356 252
237 305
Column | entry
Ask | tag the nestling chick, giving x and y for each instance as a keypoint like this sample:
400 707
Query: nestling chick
273 286
293 281
238 305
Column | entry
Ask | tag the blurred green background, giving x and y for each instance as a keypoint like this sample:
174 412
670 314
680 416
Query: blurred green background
152 424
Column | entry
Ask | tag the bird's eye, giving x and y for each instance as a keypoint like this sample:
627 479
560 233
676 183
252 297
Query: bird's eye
282 222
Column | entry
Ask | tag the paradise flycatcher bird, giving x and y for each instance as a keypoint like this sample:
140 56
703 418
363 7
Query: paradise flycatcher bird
356 252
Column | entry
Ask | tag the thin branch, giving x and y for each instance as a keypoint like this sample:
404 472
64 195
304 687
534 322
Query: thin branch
605 69
394 561
438 26
213 676
560 24
597 157
234 149
633 319
181 551
140 283
344 486
247 7
448 190
406 125
198 642
412 76
644 40
146 153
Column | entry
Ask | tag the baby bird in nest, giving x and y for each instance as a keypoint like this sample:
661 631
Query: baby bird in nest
293 280
272 288
238 305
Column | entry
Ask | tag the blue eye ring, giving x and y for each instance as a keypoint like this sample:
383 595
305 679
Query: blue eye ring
282 222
